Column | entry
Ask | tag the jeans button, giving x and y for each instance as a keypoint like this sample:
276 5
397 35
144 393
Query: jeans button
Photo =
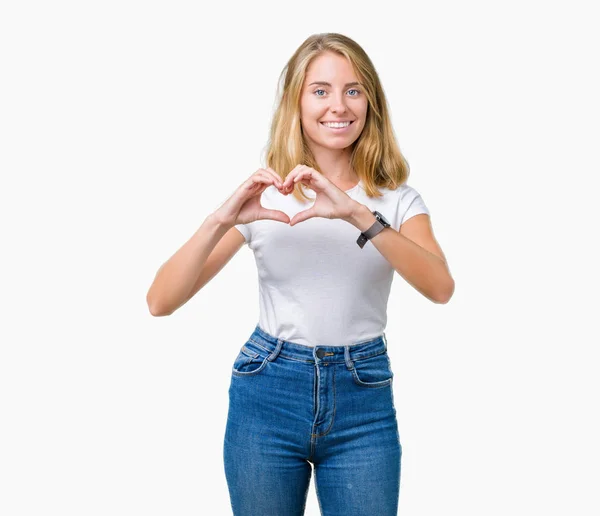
320 353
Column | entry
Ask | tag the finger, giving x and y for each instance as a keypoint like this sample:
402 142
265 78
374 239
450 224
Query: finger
261 180
290 177
295 178
305 177
259 177
269 172
267 176
308 173
275 175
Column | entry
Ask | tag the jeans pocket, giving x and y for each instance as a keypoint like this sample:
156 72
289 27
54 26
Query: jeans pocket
251 360
373 371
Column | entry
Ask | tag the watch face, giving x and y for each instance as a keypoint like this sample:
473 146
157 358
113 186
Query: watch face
381 218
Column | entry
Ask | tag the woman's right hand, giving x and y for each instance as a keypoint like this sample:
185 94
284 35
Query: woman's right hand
244 205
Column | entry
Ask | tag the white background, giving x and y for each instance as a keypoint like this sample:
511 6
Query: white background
124 124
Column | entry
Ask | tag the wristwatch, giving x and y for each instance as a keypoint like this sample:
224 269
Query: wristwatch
375 229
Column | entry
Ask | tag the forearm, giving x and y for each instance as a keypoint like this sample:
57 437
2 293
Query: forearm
425 271
176 277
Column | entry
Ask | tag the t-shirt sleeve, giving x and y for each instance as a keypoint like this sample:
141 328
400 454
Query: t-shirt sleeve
411 204
244 230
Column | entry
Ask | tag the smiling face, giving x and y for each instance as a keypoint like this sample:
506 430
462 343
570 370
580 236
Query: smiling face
331 93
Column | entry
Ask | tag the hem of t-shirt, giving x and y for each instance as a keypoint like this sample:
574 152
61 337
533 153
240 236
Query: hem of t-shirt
244 231
411 215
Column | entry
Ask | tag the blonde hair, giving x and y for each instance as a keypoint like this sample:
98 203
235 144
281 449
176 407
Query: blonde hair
376 156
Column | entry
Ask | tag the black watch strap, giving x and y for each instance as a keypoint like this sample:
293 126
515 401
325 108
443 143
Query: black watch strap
379 225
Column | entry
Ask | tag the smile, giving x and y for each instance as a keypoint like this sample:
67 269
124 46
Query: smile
337 127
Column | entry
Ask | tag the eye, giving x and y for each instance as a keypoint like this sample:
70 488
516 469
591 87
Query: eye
353 89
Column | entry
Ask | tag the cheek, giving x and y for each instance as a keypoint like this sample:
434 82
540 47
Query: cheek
363 110
310 115
310 108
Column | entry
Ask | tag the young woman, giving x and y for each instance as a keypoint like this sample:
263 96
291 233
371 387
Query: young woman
329 220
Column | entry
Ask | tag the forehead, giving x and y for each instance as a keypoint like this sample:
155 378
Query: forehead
332 68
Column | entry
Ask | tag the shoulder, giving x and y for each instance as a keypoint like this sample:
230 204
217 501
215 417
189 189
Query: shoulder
399 204
401 191
405 192
402 196
407 196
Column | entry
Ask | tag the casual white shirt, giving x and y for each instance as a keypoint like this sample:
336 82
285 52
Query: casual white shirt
316 285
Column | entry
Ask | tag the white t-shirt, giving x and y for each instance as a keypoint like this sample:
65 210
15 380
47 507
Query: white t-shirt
316 285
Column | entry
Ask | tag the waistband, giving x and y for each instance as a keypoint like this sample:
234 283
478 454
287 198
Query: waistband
317 354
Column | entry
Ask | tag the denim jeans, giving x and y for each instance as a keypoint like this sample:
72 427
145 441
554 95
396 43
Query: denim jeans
331 406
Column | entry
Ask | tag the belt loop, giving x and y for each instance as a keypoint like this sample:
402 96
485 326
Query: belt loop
347 359
276 351
385 341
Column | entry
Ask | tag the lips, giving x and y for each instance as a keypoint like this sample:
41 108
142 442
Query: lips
338 130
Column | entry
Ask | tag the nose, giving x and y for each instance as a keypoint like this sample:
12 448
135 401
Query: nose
338 105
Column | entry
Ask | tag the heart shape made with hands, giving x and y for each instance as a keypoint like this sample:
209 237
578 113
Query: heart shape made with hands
330 201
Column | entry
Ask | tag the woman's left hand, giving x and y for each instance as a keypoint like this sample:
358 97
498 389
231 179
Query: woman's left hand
330 201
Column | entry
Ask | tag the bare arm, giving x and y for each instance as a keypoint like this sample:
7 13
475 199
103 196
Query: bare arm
177 280
212 245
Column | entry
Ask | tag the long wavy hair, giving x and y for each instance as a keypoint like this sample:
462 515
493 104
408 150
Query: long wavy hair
376 156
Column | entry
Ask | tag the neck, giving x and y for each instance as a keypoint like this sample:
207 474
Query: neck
335 165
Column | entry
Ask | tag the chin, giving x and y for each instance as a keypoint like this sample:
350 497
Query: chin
340 144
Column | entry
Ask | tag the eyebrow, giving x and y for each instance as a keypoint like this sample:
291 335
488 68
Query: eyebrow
323 83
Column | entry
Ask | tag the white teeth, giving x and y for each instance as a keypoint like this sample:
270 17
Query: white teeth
336 124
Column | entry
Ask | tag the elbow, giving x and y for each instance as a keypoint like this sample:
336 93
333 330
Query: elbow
156 312
445 294
155 309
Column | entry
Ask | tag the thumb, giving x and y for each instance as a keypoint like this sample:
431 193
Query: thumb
277 215
304 215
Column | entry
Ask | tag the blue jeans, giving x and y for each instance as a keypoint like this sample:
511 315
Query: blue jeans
291 406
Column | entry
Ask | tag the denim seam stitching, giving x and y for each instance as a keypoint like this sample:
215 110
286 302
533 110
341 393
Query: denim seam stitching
333 415
282 355
380 383
248 352
259 369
